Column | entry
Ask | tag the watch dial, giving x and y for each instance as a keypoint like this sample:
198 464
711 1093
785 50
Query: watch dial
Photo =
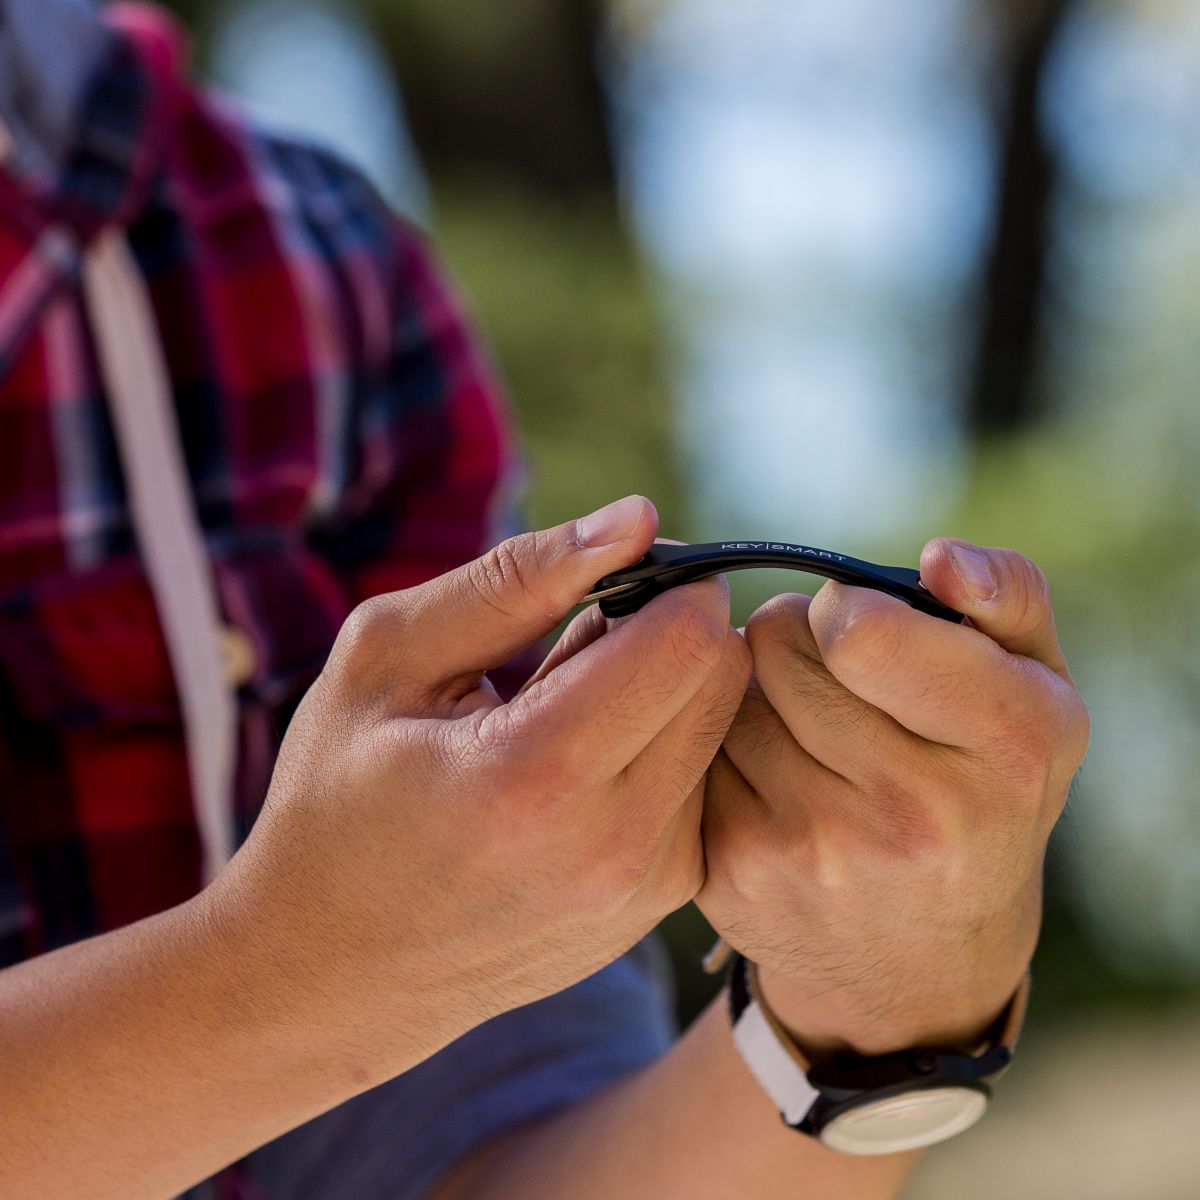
906 1122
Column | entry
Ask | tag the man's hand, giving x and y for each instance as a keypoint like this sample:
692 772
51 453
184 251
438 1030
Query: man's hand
430 854
876 822
427 858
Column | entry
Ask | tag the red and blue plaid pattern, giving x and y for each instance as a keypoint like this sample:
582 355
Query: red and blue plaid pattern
343 434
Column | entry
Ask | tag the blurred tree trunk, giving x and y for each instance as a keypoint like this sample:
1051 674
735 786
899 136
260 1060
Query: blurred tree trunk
509 89
1004 391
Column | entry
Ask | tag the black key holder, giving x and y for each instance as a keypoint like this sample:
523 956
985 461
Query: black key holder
666 566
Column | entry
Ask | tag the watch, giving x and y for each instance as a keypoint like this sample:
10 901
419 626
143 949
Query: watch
880 1105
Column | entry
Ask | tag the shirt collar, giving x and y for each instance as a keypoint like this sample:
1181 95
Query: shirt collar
95 133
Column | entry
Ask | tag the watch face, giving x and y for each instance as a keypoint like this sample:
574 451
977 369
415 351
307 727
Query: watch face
905 1122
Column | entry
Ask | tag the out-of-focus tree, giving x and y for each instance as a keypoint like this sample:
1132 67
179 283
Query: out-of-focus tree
508 89
1003 389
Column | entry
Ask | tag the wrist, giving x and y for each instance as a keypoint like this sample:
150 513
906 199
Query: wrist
828 1022
255 993
870 1104
302 994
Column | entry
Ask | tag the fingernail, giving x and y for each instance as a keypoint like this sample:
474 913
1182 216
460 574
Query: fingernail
974 570
611 523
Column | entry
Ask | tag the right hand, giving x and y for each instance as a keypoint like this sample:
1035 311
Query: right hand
430 856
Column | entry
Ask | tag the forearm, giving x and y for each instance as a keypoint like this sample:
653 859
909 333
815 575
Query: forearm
134 1064
696 1123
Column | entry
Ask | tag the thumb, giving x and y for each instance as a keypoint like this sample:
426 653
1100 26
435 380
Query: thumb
477 617
1004 594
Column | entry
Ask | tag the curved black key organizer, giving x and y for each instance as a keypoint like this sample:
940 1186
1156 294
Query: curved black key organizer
665 567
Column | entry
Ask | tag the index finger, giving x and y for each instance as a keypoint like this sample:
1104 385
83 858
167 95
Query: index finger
606 703
1002 592
946 683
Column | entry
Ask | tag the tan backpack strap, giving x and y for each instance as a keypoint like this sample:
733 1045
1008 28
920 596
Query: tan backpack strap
168 530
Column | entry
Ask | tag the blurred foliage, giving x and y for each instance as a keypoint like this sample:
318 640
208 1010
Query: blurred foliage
564 301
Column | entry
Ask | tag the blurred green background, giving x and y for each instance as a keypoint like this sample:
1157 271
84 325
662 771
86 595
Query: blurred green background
857 274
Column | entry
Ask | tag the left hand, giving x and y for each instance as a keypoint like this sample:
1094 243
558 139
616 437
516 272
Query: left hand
876 822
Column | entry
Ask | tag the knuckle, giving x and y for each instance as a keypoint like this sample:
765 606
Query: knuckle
497 738
547 776
1077 731
449 763
1046 739
755 868
494 577
530 773
516 801
768 884
776 622
696 639
869 642
1032 601
507 575
753 884
657 868
912 829
1022 755
741 661
757 727
1064 737
370 625
612 885
709 732
674 887
495 753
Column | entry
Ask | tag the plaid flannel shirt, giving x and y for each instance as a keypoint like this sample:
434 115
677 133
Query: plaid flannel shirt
343 435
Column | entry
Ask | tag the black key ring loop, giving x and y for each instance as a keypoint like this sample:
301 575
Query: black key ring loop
665 566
